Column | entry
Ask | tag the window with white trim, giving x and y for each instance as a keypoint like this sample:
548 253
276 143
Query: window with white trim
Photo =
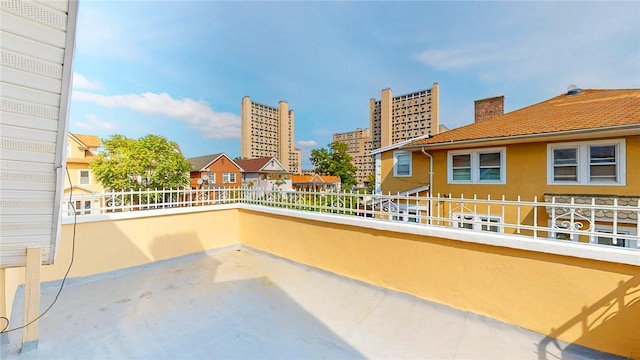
485 166
407 215
85 177
228 178
401 163
477 222
620 241
586 163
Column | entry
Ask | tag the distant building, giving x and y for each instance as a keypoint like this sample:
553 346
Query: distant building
359 147
264 173
81 151
214 171
269 132
392 119
315 182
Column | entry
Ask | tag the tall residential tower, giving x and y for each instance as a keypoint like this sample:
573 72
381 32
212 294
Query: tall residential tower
358 146
268 131
393 119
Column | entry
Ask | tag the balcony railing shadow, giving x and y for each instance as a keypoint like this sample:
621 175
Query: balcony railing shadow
619 309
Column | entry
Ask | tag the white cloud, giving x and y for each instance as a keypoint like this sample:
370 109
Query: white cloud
81 82
197 114
93 122
306 143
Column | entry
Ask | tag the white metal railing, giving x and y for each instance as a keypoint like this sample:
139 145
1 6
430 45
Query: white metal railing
575 218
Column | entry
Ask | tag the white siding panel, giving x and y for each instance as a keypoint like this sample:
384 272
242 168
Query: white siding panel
19 219
31 64
36 12
19 120
31 48
24 27
35 97
26 207
59 5
19 132
16 229
30 80
22 185
27 156
28 167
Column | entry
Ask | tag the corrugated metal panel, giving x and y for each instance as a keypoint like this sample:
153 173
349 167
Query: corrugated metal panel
36 48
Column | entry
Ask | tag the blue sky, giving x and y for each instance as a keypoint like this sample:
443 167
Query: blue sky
180 68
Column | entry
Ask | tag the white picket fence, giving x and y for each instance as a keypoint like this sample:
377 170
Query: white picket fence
591 220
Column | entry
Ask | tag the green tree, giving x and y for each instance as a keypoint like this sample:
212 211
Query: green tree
151 162
335 161
371 182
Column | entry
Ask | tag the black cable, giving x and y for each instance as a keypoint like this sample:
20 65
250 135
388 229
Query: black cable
73 253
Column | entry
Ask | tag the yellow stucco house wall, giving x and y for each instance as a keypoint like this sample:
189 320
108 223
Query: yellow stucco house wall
81 150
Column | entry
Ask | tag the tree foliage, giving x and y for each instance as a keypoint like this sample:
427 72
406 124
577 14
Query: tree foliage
151 162
371 182
335 161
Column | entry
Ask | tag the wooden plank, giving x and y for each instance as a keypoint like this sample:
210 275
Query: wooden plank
31 298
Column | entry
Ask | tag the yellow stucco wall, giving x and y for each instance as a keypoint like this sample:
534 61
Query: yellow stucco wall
110 245
592 303
526 174
104 246
74 174
419 178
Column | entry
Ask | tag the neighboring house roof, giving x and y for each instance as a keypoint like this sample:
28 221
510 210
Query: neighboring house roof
176 147
314 179
588 110
259 165
90 141
201 163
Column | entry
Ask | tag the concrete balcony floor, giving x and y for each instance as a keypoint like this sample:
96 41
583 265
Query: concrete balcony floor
242 303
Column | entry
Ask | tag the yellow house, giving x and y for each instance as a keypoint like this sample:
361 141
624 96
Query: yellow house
81 150
581 146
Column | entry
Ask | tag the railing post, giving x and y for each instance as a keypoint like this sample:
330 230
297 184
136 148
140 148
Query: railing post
535 216
518 220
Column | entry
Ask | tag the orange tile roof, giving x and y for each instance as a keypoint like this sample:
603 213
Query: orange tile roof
314 179
590 109
88 140
253 164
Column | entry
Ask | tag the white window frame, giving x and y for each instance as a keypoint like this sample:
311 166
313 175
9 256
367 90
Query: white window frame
396 154
80 177
621 230
583 162
410 215
475 166
226 178
477 222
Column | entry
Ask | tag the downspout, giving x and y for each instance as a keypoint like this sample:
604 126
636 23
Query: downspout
430 182
430 171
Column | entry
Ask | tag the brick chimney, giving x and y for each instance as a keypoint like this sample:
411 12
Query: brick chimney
489 108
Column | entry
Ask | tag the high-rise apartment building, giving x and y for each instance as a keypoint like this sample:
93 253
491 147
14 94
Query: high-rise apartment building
392 119
358 146
269 131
